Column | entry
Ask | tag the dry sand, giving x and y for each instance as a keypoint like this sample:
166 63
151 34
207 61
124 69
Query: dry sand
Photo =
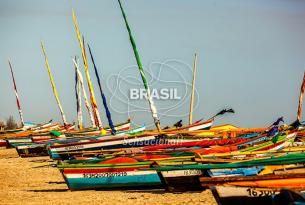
34 181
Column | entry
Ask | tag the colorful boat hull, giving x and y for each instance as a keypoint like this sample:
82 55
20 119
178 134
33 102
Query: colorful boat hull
110 178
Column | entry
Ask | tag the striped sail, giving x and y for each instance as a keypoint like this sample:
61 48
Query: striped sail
153 108
96 114
108 114
78 100
81 82
301 99
16 94
53 85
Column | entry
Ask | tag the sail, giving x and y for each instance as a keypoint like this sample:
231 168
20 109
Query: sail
81 82
16 94
113 131
153 108
78 101
95 111
299 115
53 86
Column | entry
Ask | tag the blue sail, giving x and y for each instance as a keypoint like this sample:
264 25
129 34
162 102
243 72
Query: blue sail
113 131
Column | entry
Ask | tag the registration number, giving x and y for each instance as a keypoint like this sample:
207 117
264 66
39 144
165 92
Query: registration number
105 175
259 193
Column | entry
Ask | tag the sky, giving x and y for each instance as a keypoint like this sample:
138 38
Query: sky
251 57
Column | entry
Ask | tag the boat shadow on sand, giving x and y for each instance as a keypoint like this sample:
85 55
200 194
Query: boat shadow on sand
48 190
124 190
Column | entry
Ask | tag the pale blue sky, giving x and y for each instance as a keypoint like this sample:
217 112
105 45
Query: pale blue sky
251 54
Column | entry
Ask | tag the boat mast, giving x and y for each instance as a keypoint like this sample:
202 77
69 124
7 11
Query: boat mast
16 94
81 81
108 114
193 91
53 85
153 108
299 115
95 111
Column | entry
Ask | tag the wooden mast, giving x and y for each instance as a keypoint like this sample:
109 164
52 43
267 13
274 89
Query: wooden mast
193 91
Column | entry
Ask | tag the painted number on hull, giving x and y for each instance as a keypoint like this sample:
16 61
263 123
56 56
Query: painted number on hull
192 172
259 193
105 175
74 147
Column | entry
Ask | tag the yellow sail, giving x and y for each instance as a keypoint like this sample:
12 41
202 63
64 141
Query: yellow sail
96 114
53 85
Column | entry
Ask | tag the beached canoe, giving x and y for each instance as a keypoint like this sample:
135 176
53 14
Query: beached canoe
110 176
228 195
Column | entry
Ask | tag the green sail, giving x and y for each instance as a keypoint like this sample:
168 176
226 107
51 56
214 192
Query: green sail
137 56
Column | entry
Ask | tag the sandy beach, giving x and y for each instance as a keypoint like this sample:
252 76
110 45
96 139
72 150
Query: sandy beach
34 181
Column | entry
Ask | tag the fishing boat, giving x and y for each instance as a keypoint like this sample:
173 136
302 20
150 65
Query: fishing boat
63 151
172 176
227 195
121 173
39 148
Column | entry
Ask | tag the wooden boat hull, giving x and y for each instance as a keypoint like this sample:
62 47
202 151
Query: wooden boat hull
3 143
64 152
110 178
40 148
13 142
181 180
227 195
119 128
33 150
274 183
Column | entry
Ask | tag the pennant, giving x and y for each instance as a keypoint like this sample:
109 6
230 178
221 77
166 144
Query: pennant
278 121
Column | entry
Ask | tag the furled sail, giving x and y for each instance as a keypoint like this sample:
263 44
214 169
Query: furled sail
299 115
95 111
108 114
78 100
16 94
153 108
81 81
53 85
